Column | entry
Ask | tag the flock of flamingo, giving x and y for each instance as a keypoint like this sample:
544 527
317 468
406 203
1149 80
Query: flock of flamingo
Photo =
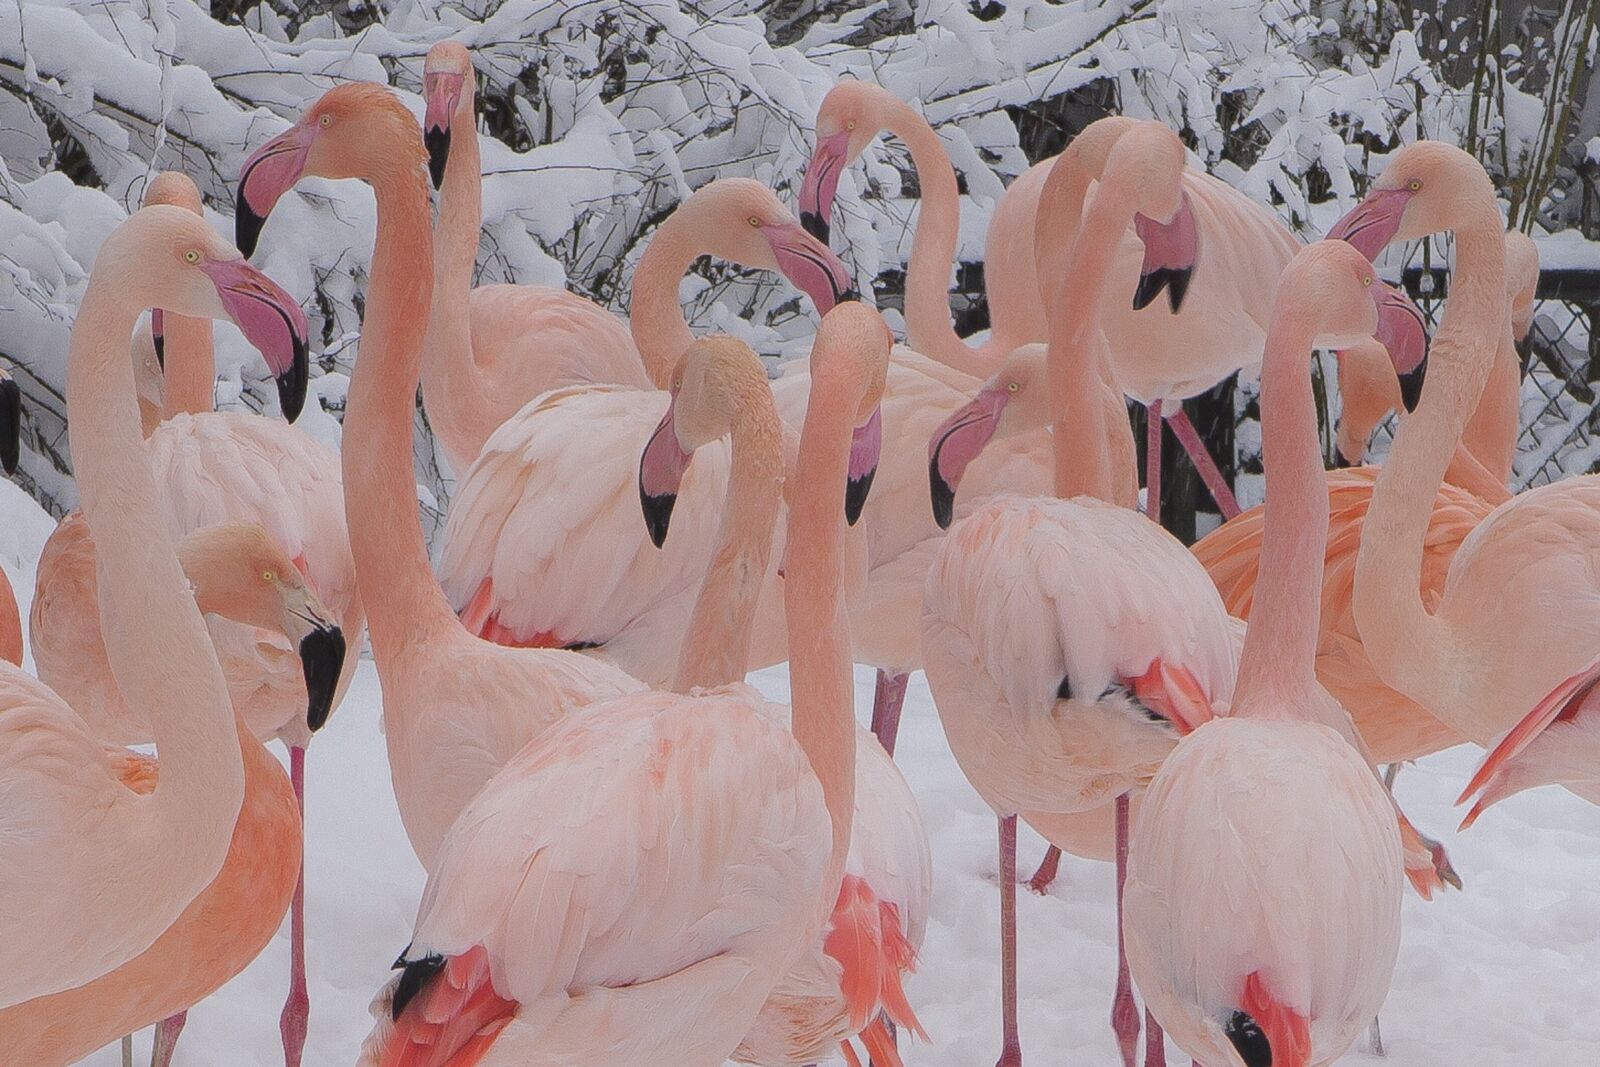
634 858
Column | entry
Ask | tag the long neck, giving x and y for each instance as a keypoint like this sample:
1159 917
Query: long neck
156 643
1077 360
1405 642
10 625
929 329
1491 432
189 376
660 332
1277 667
452 390
1057 217
819 633
717 648
403 601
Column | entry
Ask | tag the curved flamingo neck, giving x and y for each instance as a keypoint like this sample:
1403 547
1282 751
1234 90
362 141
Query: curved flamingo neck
405 606
1407 645
717 648
156 642
10 624
819 634
453 392
660 331
1277 667
1077 363
929 329
189 373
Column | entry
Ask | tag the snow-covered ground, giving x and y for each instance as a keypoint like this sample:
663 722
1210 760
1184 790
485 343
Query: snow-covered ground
1506 972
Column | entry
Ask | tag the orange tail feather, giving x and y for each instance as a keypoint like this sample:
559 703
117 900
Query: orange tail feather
866 939
453 1021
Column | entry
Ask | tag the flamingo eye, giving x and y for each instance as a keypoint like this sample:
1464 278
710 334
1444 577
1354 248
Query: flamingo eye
755 221
1414 184
1013 386
1367 280
191 257
851 125
325 121
268 576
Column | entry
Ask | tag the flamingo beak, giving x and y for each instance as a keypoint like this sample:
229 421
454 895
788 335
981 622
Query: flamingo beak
1373 223
809 265
270 172
661 470
271 321
1404 332
958 441
10 423
158 336
1170 251
866 444
321 659
821 183
441 91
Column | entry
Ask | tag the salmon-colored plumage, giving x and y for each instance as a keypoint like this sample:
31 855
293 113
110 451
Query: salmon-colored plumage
453 1020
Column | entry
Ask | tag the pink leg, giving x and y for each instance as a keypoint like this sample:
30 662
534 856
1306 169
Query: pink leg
1152 462
886 701
1221 492
1011 1046
1046 874
167 1031
297 1009
1155 1042
1124 1012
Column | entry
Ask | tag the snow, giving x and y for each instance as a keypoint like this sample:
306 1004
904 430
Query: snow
1507 971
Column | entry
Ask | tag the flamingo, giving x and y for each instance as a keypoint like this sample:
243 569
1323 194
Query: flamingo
651 961
847 977
1059 689
493 349
445 737
215 467
524 573
1510 646
76 846
1263 900
240 573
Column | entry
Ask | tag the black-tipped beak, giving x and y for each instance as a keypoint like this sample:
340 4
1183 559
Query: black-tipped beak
292 382
10 424
1173 279
437 140
246 223
1411 385
943 495
657 514
158 337
855 495
322 659
812 223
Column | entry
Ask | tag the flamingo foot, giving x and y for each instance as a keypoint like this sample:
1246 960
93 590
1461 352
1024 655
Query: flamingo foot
166 1041
1207 467
886 702
1155 1042
1046 874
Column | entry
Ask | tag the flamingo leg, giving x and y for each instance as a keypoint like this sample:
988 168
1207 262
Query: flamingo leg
297 1009
1046 874
166 1040
887 699
1155 1042
889 1028
1011 1045
127 1050
1210 473
1124 1012
1152 462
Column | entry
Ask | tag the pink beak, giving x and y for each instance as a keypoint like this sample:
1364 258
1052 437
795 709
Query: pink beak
1170 251
1373 223
1404 332
821 183
809 265
866 444
441 91
958 441
661 470
271 321
270 172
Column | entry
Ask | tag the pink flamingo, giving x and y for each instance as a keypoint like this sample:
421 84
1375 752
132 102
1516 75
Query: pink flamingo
215 467
1263 900
654 962
493 349
840 986
525 574
445 738
1491 645
73 835
240 573
1059 688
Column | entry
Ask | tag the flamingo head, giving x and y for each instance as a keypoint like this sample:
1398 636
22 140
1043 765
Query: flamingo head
852 114
446 83
1145 164
1015 400
741 220
1427 188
